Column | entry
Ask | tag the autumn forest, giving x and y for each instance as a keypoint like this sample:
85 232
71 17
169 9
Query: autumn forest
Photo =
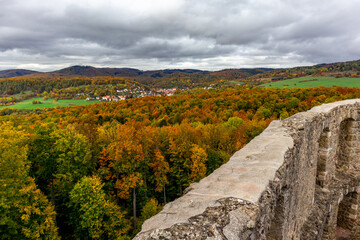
99 171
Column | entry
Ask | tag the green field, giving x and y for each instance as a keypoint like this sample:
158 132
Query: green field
236 83
27 104
310 82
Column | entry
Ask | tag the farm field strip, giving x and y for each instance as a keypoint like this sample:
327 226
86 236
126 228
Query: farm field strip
313 81
27 104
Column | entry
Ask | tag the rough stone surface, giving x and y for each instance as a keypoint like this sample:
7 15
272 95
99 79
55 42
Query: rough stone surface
299 179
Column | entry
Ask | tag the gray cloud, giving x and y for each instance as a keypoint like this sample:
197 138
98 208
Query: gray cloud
206 34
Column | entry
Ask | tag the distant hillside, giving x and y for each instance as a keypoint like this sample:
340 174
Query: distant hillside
338 69
180 78
232 74
89 71
15 73
351 67
156 78
184 78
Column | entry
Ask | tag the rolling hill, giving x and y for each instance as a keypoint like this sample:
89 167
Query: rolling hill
89 71
184 77
154 78
15 73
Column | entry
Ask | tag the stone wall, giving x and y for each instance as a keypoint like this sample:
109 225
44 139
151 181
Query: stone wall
299 179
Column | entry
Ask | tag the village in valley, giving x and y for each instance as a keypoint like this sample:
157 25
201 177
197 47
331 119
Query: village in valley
135 91
131 93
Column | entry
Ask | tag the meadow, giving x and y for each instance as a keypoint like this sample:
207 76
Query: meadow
27 104
314 81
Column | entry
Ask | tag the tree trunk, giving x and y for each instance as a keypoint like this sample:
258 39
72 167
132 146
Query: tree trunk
145 186
52 197
134 208
117 191
164 195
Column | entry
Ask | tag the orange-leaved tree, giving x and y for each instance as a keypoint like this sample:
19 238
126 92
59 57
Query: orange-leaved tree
124 158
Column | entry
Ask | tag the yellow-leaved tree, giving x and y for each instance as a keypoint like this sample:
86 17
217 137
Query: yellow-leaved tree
96 217
25 213
198 163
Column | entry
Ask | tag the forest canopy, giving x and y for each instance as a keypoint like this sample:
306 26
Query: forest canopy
99 171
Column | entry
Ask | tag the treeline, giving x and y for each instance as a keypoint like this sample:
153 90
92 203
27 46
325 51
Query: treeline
39 85
98 171
79 76
194 78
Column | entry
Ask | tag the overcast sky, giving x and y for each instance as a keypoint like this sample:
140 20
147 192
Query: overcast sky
48 35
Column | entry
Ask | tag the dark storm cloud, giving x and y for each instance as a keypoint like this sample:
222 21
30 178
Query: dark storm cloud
208 34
